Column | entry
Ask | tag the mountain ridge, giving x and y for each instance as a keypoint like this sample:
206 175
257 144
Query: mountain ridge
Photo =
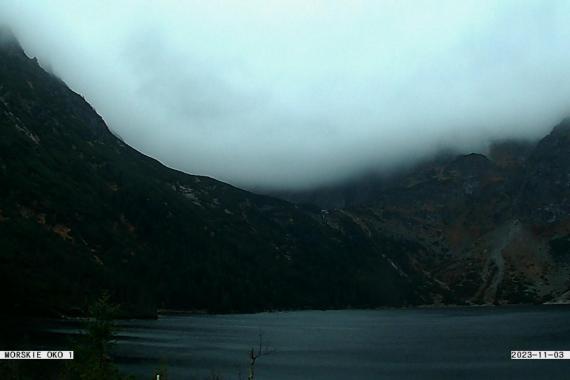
82 212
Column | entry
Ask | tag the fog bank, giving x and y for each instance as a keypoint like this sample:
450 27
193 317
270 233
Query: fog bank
293 94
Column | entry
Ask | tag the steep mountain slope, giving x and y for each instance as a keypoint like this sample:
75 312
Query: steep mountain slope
81 211
491 230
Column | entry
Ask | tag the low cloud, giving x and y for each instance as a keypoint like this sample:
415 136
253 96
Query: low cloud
293 94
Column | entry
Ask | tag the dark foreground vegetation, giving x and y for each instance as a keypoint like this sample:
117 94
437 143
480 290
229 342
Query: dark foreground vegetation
93 359
91 351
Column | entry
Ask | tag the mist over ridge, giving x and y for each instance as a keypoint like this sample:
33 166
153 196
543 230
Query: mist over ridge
299 94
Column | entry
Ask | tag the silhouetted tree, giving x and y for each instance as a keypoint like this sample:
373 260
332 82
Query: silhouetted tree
92 361
255 354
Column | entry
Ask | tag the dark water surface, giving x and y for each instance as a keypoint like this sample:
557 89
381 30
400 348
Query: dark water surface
451 343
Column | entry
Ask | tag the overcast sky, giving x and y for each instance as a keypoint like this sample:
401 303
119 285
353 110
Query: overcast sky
300 93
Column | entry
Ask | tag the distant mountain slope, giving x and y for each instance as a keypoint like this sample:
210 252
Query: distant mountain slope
492 230
508 155
81 211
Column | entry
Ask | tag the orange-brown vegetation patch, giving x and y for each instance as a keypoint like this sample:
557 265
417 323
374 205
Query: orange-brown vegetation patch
62 231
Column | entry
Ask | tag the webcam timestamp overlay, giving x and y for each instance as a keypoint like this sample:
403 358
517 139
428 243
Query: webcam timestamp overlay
540 355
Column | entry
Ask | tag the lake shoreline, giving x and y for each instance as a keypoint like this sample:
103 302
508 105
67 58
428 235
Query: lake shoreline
190 312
